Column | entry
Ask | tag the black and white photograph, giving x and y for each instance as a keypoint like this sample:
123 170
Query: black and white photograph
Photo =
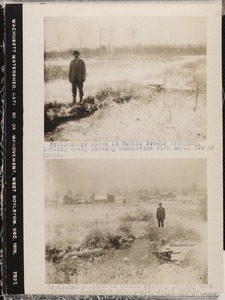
132 221
121 124
125 78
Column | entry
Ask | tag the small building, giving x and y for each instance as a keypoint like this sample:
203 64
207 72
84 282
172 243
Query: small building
106 198
69 200
84 201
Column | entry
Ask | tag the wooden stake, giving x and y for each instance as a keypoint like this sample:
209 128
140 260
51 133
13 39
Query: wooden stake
196 98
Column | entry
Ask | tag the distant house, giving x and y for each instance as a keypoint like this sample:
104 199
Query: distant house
84 201
69 200
106 198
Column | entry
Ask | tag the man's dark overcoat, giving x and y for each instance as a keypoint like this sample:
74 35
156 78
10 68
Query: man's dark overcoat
160 213
77 70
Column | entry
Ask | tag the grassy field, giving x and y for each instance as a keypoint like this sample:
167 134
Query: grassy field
77 236
128 104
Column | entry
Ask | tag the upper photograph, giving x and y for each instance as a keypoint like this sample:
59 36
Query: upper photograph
125 78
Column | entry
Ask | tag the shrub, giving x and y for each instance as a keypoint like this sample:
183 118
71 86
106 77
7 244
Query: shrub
125 229
193 66
94 239
171 233
120 92
180 233
139 216
186 76
113 241
109 240
53 254
54 72
153 233
125 91
128 218
203 210
144 216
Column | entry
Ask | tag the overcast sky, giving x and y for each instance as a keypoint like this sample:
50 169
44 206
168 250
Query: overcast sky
66 33
102 175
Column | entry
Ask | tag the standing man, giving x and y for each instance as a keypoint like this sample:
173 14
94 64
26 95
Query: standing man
77 75
160 215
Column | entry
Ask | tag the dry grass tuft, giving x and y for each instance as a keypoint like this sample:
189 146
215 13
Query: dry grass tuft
138 216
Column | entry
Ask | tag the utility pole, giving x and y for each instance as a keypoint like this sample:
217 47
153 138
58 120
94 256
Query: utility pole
100 41
59 36
133 41
110 35
80 38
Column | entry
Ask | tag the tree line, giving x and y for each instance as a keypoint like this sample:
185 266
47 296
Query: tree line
110 52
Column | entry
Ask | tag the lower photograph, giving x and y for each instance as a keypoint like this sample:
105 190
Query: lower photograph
130 221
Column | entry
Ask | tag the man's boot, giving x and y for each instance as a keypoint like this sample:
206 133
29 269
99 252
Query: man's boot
74 100
81 100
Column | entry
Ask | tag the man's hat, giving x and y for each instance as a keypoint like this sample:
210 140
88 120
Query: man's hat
76 52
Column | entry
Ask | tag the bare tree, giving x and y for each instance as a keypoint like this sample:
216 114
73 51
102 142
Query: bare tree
80 38
59 38
197 83
100 41
133 39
